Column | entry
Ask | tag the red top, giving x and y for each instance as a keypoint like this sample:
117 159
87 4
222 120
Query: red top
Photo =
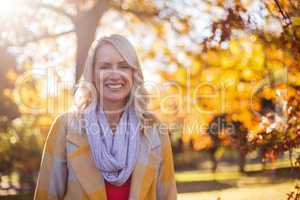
117 192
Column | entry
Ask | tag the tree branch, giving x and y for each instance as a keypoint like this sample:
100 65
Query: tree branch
56 9
140 14
285 16
45 36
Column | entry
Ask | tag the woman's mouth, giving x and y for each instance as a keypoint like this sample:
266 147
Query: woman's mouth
114 86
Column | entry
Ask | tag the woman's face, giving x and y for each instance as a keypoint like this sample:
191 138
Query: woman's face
113 75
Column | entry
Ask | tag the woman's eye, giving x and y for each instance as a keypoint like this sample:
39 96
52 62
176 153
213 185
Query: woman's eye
125 67
104 67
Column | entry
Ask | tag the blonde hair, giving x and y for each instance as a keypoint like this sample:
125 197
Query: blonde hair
86 96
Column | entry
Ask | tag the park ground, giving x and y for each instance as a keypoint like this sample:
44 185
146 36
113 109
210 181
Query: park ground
256 184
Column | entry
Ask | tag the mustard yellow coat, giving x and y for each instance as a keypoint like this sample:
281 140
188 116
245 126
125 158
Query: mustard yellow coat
68 171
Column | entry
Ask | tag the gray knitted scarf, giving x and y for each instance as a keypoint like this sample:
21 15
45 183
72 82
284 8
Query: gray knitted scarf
115 154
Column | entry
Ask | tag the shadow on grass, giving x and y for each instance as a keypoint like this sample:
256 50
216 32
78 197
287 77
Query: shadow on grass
285 172
258 177
203 186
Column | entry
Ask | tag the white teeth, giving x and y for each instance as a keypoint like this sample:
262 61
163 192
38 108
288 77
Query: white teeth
114 86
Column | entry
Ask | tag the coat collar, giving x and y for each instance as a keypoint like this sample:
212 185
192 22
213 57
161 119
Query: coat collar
92 180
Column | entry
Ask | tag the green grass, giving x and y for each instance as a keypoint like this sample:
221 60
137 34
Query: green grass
198 175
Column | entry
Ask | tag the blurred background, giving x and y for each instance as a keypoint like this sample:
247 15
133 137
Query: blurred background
222 74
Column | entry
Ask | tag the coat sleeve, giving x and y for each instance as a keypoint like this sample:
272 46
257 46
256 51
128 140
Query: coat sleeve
52 178
166 180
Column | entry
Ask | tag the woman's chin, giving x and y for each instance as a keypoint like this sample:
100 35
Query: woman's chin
114 98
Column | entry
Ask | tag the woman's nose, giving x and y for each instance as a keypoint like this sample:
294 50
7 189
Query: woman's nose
115 73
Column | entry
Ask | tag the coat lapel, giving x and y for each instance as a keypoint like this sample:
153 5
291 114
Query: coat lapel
146 166
83 165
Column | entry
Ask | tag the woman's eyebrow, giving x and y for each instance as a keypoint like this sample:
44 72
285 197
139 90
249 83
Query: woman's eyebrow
103 62
122 62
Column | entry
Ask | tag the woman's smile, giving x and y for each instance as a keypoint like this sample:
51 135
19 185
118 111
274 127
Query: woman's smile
114 86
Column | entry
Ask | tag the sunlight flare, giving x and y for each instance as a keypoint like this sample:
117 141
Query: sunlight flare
8 8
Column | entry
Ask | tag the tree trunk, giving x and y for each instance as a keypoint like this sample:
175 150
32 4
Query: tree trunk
86 24
242 161
8 108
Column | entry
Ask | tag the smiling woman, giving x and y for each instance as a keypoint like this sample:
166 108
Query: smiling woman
110 148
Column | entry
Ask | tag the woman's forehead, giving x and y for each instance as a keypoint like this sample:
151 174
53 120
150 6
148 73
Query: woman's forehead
108 62
108 53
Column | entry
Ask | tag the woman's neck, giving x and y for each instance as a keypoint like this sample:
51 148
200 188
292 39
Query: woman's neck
113 112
